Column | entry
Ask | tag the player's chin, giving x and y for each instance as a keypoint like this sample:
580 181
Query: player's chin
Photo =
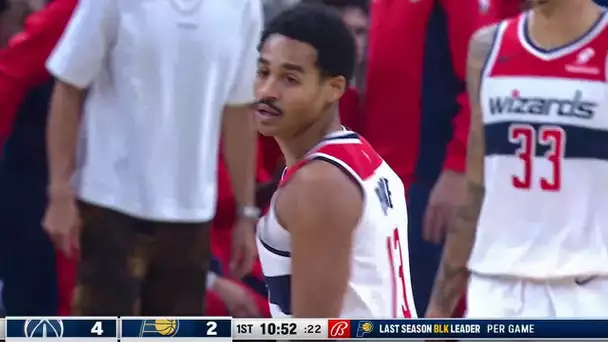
267 130
268 126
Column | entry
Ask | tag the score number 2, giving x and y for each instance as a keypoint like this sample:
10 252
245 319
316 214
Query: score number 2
526 136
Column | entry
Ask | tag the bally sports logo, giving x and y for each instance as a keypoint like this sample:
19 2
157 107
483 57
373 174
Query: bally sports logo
338 329
515 103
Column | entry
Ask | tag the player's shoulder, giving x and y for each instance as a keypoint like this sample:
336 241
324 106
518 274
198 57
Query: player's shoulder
317 191
320 175
482 40
356 158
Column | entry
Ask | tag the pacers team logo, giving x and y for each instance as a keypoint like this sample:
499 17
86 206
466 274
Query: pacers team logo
364 328
43 328
159 328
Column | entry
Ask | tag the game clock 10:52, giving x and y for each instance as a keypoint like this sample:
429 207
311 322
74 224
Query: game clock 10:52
279 328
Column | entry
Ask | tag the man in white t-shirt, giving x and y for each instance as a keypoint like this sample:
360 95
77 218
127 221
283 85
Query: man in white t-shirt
144 89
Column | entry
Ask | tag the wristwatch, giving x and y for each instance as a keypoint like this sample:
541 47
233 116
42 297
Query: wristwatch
248 212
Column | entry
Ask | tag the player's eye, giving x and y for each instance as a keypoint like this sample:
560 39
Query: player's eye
263 73
292 80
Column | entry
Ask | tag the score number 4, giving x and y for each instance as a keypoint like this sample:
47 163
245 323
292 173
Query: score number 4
97 329
527 137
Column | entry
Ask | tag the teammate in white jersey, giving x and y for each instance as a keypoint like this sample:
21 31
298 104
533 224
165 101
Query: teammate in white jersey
334 242
537 242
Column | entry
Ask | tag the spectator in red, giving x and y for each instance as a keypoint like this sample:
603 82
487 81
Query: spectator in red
27 255
355 14
417 115
13 14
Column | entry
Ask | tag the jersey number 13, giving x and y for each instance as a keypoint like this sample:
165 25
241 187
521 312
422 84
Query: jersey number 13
395 256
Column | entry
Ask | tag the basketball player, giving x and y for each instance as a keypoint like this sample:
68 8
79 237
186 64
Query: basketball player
334 242
538 148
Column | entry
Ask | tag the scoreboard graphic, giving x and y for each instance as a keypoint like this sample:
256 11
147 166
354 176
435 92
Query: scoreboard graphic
102 329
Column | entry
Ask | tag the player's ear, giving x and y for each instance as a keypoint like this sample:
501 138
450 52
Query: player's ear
337 86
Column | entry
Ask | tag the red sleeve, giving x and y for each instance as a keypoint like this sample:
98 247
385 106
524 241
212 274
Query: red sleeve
22 63
462 21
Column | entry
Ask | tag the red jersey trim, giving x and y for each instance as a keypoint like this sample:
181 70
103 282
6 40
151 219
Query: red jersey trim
495 48
355 155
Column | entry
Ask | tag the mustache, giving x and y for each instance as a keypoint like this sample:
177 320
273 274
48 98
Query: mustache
270 103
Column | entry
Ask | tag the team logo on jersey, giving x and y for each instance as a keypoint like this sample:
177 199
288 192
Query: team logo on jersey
518 104
585 56
581 64
384 195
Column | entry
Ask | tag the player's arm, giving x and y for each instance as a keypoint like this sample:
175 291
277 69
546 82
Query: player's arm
453 274
320 207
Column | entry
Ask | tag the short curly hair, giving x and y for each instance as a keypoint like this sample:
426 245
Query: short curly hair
323 29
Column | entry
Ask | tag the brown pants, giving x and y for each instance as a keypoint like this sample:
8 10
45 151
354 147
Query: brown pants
135 267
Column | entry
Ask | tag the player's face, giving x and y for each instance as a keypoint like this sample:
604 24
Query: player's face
289 89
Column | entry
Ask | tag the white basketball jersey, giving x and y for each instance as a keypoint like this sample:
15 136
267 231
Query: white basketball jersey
379 283
545 212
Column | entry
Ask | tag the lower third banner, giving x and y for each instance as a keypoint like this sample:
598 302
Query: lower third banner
468 329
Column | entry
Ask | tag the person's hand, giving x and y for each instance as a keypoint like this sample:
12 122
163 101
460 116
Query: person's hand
447 194
62 223
243 249
238 302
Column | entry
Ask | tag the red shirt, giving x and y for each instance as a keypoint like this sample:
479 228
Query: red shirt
22 63
416 107
22 66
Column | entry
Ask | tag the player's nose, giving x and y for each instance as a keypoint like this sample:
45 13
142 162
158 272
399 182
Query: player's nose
267 89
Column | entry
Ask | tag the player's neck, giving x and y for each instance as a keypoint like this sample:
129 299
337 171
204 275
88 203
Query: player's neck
295 147
557 24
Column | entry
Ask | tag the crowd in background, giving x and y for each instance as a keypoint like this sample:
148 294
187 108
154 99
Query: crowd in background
414 88
408 99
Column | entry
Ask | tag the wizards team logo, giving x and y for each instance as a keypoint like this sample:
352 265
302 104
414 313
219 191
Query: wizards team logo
43 328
